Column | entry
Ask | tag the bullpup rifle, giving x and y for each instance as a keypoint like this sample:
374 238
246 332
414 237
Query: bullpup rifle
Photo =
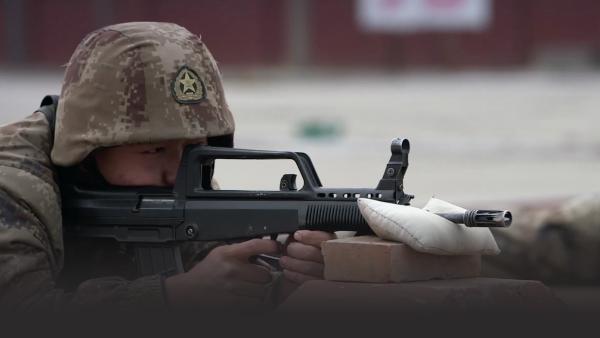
155 220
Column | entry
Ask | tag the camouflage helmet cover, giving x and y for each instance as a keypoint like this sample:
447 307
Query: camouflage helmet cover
138 82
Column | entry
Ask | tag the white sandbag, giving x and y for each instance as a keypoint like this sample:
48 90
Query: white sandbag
425 231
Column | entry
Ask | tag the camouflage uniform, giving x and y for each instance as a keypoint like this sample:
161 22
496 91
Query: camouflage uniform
125 84
557 242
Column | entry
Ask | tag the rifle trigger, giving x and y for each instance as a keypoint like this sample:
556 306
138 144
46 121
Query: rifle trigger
268 261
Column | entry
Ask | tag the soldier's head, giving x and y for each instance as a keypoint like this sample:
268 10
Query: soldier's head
134 94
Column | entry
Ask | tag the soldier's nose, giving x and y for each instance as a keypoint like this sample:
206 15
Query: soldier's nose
172 160
172 166
170 174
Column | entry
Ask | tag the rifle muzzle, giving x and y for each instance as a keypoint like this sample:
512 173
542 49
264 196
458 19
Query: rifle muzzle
480 218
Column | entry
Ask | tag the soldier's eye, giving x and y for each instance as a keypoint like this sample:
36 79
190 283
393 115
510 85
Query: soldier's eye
155 150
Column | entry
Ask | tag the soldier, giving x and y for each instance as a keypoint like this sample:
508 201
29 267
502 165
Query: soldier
133 96
555 242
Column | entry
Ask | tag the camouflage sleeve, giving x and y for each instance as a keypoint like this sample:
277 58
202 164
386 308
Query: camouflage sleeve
554 241
27 274
31 248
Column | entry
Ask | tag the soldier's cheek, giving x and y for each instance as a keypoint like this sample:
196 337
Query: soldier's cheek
160 172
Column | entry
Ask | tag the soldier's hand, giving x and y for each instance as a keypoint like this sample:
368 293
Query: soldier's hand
303 259
224 278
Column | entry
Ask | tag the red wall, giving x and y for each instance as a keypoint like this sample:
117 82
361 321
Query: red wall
54 28
246 32
237 32
562 22
338 41
255 32
2 34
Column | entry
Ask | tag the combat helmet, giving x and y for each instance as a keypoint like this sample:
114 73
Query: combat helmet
139 82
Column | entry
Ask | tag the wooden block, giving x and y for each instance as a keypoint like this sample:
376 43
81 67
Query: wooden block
372 259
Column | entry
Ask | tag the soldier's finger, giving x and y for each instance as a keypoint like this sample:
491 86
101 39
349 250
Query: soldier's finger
304 267
313 237
304 252
250 248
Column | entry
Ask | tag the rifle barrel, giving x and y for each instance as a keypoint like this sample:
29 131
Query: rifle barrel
480 218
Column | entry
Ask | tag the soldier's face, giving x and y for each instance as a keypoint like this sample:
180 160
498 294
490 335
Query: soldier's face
150 164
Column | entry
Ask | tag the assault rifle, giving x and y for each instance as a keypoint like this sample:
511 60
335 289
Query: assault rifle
156 220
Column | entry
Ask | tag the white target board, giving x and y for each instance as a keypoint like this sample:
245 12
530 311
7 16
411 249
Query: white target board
409 16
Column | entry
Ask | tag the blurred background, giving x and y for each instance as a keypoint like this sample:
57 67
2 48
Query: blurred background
499 98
